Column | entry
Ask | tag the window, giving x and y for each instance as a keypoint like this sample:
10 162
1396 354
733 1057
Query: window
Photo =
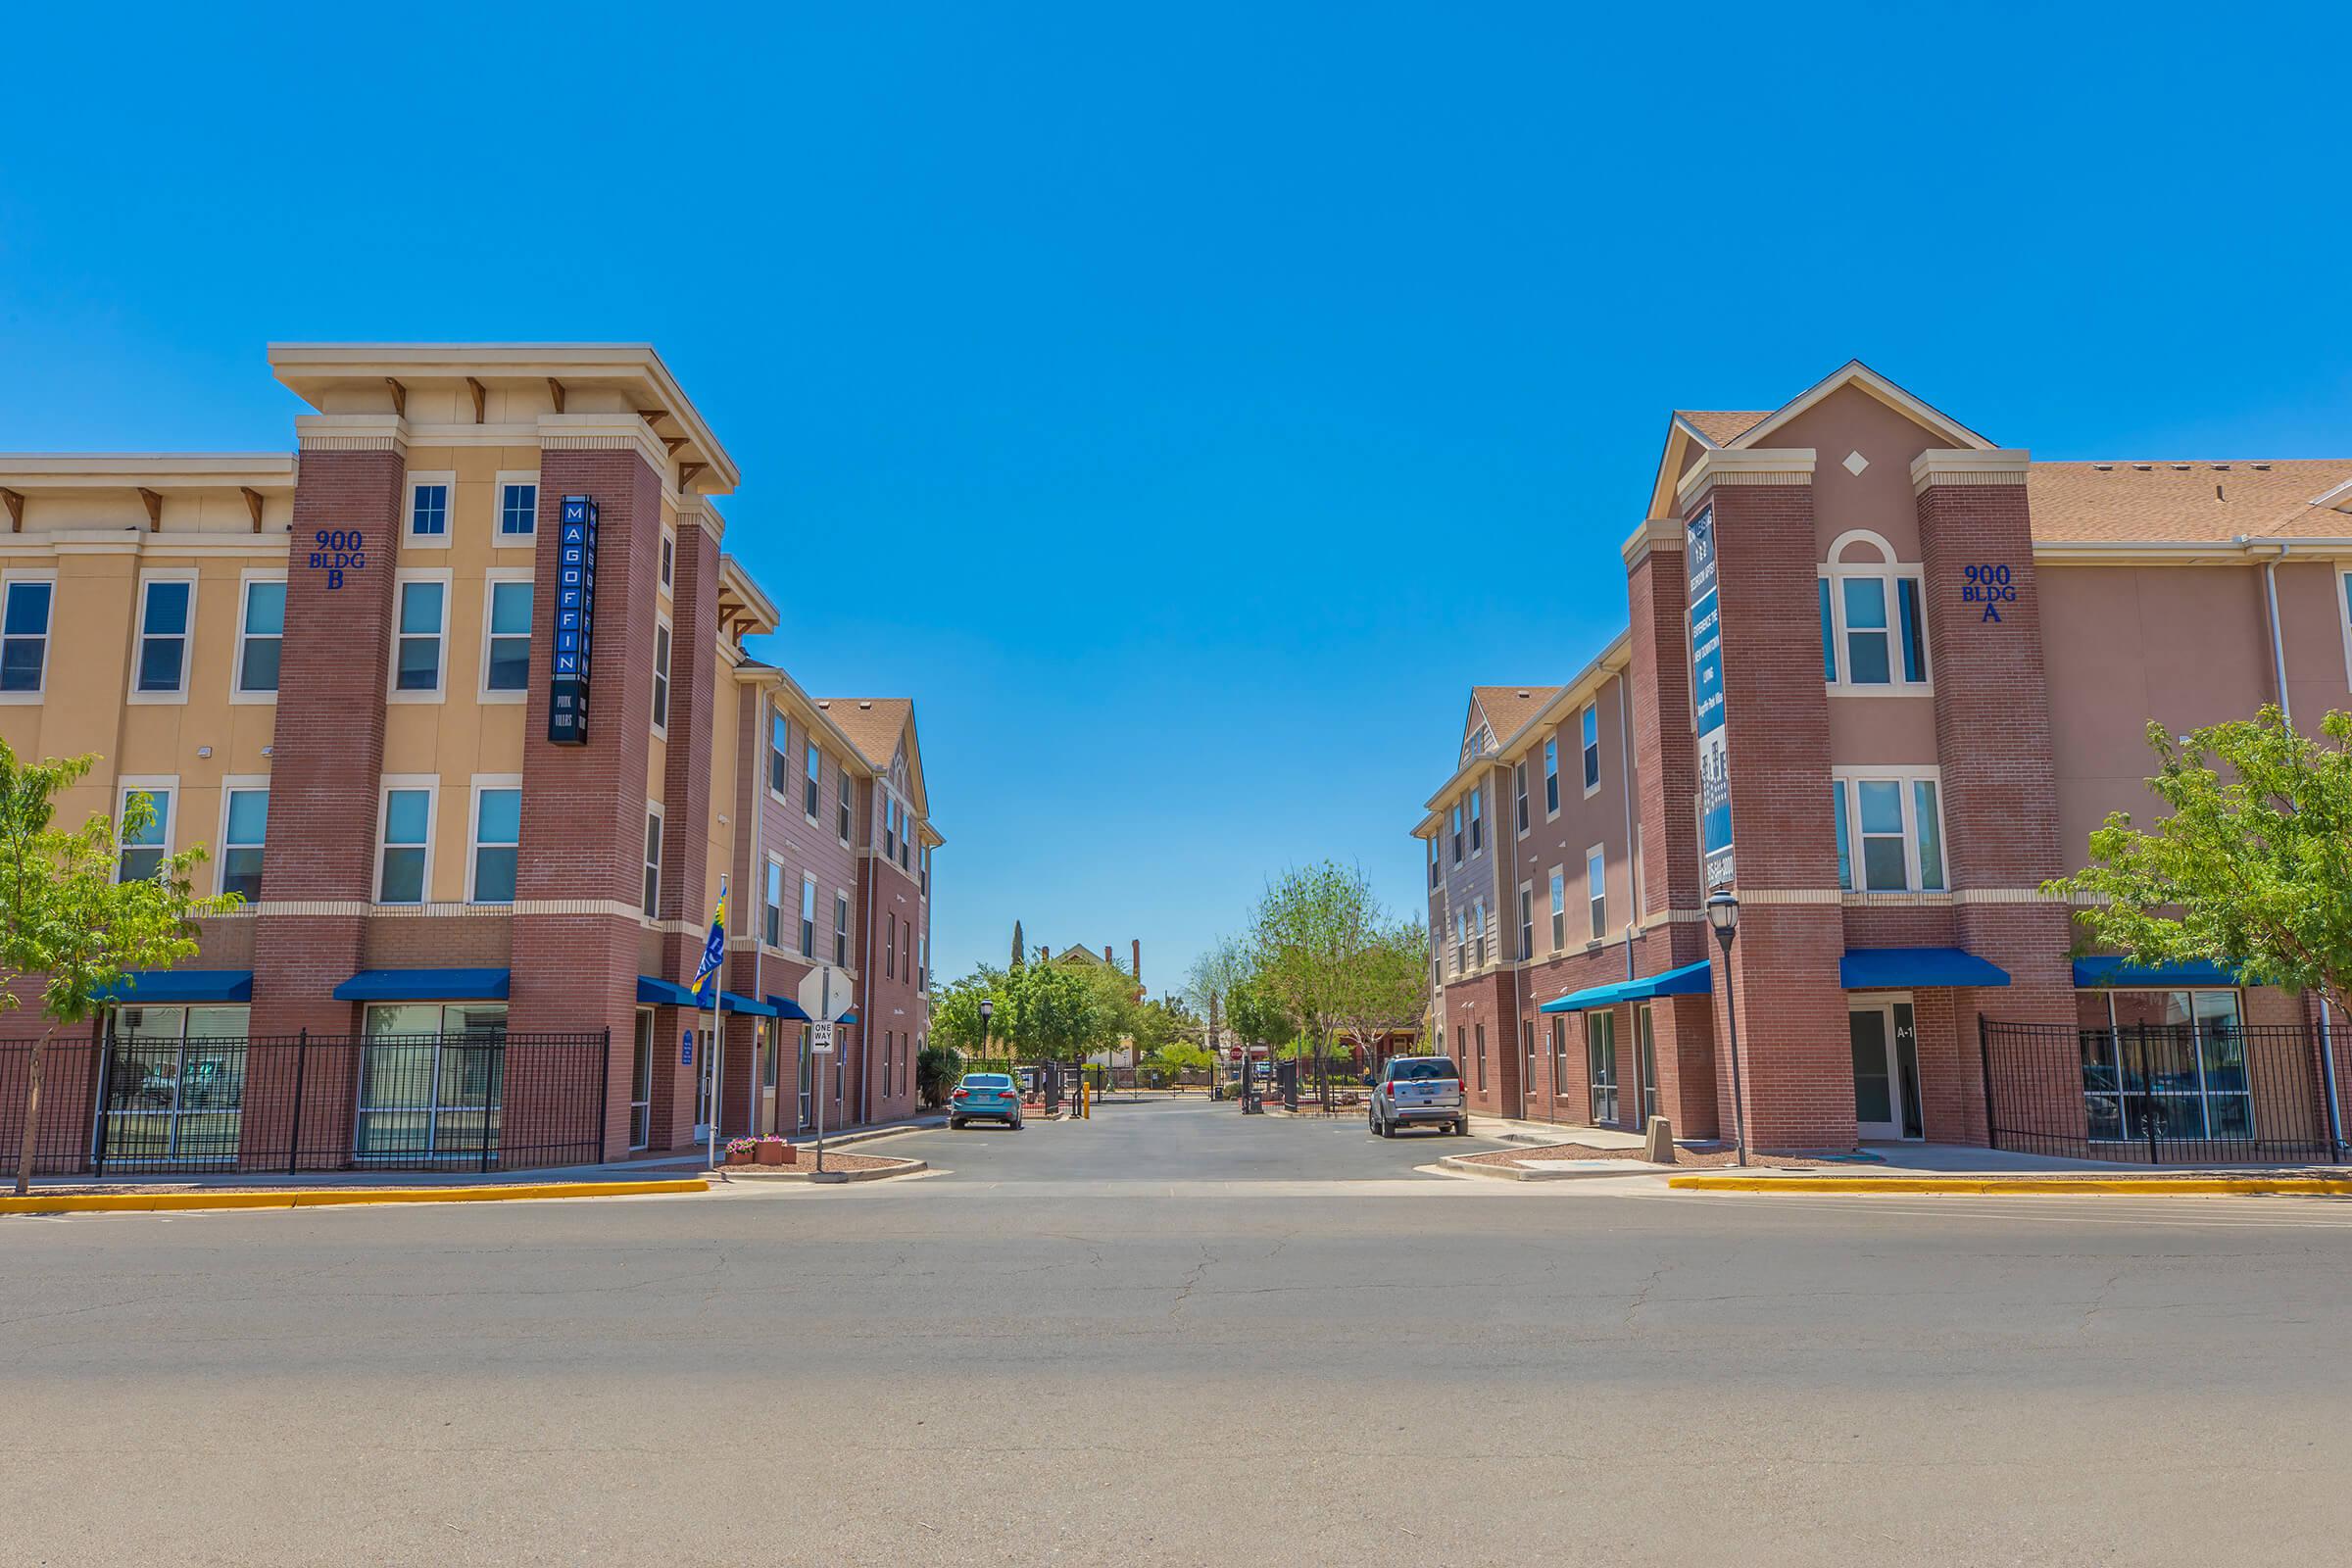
431 1077
507 657
905 836
518 508
1873 619
244 821
406 848
1461 939
926 865
1891 832
497 838
24 603
661 677
1559 1058
651 903
1645 1060
143 848
1600 1063
808 918
1592 737
428 509
841 807
1482 1058
890 949
640 1082
261 634
188 1065
811 773
669 560
1478 834
773 931
1596 890
423 620
1519 791
2178 1070
1478 930
1560 908
890 828
1457 832
1527 920
1433 861
167 610
1551 777
841 927
922 961
779 746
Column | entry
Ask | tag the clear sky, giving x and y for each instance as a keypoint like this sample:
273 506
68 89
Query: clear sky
1187 406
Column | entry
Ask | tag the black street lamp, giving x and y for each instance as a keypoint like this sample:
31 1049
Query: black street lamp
1723 914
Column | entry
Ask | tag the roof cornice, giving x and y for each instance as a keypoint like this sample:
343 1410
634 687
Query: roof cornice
1611 660
1730 466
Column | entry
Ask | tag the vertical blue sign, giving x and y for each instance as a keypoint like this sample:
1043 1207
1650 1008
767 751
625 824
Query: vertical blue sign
575 621
1706 702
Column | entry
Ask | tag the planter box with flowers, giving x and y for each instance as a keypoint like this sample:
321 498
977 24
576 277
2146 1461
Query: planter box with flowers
774 1151
740 1150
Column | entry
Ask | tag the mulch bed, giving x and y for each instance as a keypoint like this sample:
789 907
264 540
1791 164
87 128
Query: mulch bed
1684 1158
835 1160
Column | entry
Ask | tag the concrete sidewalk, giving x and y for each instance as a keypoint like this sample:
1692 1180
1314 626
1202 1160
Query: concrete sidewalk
1511 1130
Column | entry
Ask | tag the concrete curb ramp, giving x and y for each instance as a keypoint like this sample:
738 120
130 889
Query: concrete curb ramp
2083 1187
1565 1170
333 1197
801 1173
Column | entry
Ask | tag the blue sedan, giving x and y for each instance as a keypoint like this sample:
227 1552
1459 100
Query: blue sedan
991 1095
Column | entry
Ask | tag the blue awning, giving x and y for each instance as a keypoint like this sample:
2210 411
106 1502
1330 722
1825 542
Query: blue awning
749 1006
666 994
424 985
1900 968
1688 980
159 987
786 1008
2113 970
848 1017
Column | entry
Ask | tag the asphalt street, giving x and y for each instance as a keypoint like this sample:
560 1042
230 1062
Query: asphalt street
1173 1335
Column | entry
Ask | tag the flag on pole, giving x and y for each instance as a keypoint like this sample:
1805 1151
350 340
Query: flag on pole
714 951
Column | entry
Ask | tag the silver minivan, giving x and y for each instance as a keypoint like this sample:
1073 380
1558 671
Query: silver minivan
1419 1090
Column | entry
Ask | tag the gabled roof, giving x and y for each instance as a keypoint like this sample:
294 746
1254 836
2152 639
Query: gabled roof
1854 373
1506 708
874 725
1718 428
2125 502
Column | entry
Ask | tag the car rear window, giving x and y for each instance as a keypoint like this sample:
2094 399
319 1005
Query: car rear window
985 1080
1418 1069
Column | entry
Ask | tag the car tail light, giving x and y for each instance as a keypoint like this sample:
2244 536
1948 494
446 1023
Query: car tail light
961 1094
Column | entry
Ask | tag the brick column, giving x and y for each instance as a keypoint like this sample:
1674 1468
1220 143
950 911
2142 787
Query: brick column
1993 740
1796 1063
577 956
686 792
325 770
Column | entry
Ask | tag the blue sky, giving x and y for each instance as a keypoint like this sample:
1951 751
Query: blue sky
1187 407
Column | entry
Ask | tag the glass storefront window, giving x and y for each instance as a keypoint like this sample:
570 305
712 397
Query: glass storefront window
175 1087
2170 1061
431 1077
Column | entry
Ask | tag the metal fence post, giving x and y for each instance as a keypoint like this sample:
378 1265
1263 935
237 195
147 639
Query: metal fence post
302 1061
106 1095
1985 1058
2148 1093
500 1077
603 1091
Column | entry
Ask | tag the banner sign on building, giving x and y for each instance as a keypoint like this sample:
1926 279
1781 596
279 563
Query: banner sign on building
1706 700
575 621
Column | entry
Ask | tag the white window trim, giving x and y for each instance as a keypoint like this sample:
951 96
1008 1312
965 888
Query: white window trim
1551 779
844 811
431 783
138 635
1590 710
774 874
769 752
807 914
1476 812
1523 801
401 579
147 784
662 671
1556 882
238 696
231 782
1527 901
481 675
845 907
654 863
1891 571
669 549
1597 894
1846 779
408 511
473 824
47 574
500 539
810 750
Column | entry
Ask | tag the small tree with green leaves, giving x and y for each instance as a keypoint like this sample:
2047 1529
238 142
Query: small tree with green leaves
1048 1012
955 1012
2253 866
67 916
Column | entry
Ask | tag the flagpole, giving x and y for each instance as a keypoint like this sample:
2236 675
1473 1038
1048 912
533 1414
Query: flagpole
718 980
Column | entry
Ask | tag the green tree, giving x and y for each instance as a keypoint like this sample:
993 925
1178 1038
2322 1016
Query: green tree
1386 987
66 917
937 1067
1019 953
2253 866
1256 1013
1110 990
1049 1012
956 1012
1308 937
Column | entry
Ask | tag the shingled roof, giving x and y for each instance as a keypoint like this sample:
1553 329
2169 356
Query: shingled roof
1507 707
873 725
2127 502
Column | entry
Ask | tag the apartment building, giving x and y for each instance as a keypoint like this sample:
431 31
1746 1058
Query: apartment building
458 695
1880 679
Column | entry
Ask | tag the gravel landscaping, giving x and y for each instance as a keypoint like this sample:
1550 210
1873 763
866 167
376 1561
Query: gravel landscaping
1684 1158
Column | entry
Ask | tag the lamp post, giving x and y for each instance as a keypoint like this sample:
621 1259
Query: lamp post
1723 914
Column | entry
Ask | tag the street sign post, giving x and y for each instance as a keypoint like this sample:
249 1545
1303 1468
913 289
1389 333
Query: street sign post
824 995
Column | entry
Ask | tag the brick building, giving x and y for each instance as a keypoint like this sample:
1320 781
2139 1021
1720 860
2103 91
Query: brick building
1909 671
469 800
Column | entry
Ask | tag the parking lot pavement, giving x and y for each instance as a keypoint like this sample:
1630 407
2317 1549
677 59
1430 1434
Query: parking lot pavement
1181 1140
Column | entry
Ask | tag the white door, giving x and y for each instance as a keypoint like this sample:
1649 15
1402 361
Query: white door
1886 1053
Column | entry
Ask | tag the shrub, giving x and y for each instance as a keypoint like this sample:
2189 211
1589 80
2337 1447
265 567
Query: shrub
936 1071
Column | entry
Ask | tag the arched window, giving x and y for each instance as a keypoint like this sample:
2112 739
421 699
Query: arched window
1874 633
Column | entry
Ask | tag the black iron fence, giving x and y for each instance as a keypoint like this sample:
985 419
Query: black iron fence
2204 1093
135 1104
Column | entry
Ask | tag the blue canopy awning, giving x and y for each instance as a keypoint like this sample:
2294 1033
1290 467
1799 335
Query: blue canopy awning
786 1008
424 985
1900 968
848 1017
751 1006
1688 980
665 992
2111 969
159 987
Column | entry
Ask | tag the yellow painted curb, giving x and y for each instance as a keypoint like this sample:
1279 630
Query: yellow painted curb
2092 1186
335 1197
